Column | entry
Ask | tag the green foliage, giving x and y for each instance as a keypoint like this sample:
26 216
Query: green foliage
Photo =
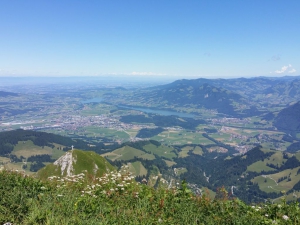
148 133
116 198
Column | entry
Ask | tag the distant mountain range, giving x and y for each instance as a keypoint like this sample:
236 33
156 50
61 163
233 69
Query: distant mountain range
6 94
233 97
199 94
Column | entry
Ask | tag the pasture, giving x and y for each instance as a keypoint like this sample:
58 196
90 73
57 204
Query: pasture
127 153
27 149
259 166
161 150
137 168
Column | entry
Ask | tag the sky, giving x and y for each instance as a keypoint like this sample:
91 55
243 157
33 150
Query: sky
166 38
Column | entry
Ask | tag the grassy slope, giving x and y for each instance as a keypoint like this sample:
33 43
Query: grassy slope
160 150
85 161
137 168
269 183
127 153
27 149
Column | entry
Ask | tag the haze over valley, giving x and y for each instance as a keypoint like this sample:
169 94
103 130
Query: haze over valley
212 121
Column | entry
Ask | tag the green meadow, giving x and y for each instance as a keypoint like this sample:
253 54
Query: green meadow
127 153
161 150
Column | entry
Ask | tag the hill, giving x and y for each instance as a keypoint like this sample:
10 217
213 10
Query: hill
75 162
197 94
7 94
288 119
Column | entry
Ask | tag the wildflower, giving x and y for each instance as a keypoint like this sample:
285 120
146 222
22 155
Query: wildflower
266 215
279 206
43 188
253 207
285 217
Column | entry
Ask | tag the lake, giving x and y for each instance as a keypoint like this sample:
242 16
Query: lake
145 109
159 111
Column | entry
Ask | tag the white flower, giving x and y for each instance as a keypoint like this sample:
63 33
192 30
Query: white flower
279 206
285 217
266 215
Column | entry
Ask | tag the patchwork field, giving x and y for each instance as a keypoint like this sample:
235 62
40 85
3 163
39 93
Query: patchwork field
105 132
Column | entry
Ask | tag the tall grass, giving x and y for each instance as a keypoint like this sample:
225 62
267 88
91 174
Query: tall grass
116 198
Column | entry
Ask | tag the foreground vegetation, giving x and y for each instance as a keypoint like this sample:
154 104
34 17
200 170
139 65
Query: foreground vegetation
116 198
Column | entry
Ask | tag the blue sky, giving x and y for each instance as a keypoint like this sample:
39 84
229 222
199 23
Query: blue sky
235 38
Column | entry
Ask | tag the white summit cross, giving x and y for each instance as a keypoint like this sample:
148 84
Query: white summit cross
72 147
